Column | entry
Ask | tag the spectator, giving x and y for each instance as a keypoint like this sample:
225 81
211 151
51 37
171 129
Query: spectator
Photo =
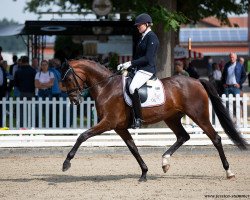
209 67
44 80
3 87
191 70
241 61
13 66
222 64
35 64
217 78
55 90
179 69
1 57
24 79
3 78
233 76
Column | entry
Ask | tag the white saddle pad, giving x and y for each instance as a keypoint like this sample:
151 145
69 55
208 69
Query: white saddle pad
156 94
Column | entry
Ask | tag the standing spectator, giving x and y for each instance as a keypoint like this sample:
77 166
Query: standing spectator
217 78
55 89
222 64
24 79
11 69
35 64
3 87
233 76
241 61
179 69
44 80
1 57
209 67
191 70
15 68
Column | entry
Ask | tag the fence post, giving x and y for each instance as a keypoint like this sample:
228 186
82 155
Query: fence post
238 109
4 105
11 113
244 101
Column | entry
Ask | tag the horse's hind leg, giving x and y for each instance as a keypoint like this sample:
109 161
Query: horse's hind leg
216 140
182 136
127 138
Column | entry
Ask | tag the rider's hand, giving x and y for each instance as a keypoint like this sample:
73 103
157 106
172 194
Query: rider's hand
123 66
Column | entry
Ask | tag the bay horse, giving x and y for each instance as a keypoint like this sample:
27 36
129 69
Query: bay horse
184 96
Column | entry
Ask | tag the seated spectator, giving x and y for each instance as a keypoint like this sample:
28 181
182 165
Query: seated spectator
44 80
179 69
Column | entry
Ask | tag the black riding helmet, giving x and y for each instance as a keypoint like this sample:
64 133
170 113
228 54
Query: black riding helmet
143 18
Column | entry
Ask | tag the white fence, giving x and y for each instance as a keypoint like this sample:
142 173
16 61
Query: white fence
58 123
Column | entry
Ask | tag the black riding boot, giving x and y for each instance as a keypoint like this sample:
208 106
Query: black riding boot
136 103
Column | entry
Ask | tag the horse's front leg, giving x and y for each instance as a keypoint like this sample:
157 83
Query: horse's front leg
96 130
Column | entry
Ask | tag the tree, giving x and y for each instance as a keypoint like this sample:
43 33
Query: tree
167 15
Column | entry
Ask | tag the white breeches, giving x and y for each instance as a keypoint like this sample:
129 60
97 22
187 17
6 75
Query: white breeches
139 79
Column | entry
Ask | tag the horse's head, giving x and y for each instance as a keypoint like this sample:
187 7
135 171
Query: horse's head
73 82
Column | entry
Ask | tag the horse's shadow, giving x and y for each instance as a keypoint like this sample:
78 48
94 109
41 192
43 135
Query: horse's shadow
53 179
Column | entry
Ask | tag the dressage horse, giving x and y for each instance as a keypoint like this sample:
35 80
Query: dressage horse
184 96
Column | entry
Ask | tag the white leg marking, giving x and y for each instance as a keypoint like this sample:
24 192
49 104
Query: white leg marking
230 174
165 163
165 160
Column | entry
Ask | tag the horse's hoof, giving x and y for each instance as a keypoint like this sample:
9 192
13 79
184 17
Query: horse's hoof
230 175
143 179
66 165
165 168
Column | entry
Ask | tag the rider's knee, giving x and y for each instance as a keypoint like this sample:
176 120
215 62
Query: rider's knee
132 89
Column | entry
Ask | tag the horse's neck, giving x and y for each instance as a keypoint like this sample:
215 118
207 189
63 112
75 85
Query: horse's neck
97 76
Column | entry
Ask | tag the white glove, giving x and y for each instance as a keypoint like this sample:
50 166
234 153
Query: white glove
123 66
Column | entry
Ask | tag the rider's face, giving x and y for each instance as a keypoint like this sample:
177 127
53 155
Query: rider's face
142 28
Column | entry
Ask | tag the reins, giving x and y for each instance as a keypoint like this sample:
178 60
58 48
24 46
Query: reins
88 88
82 90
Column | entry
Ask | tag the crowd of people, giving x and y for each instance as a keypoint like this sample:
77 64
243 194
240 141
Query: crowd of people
23 79
36 79
228 78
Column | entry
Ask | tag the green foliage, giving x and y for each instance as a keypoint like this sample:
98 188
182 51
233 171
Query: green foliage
170 19
187 10
65 45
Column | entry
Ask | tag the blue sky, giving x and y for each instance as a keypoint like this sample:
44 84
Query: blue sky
14 10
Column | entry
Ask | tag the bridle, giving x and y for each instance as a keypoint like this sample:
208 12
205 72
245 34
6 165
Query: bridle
78 88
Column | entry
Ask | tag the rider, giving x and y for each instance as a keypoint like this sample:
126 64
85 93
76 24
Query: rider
144 62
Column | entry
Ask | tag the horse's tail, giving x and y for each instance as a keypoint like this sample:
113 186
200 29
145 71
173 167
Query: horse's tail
223 116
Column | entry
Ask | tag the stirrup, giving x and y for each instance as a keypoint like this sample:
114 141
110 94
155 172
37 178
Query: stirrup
137 123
